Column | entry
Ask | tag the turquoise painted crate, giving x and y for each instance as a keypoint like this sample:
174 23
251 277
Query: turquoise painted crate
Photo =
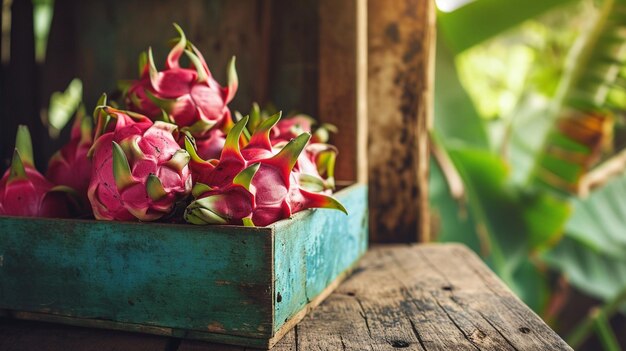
237 285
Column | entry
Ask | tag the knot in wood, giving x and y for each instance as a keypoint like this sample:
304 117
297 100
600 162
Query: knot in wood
399 344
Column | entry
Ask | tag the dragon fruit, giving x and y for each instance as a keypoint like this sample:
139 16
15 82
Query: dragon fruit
253 185
210 146
315 166
26 192
139 170
290 127
191 97
70 166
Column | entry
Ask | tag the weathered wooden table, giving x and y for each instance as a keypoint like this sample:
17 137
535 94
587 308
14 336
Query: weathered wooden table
419 297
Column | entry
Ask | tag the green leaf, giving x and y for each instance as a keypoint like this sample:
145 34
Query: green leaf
582 117
509 222
450 218
121 168
456 118
63 105
233 80
605 332
179 160
197 63
17 168
142 62
483 19
24 144
199 189
493 207
247 222
244 178
155 188
592 272
311 183
599 221
530 284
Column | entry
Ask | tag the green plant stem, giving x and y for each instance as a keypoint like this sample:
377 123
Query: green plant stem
605 333
586 327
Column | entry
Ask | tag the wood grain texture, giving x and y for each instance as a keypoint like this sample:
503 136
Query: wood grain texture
342 72
418 297
423 297
400 76
313 249
173 277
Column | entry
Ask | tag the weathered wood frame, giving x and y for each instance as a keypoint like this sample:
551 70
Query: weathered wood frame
376 83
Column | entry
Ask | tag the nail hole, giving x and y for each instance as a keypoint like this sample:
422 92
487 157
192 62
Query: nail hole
279 297
447 287
399 344
350 293
524 330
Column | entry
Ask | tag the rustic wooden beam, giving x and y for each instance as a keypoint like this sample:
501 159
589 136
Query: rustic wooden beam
20 99
400 91
342 82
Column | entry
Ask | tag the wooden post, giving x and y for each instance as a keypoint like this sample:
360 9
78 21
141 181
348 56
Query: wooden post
20 98
400 81
342 82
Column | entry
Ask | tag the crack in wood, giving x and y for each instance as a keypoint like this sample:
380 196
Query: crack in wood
498 330
295 331
364 315
456 324
489 284
417 334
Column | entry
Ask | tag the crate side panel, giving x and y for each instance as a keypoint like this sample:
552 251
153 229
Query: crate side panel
199 278
314 248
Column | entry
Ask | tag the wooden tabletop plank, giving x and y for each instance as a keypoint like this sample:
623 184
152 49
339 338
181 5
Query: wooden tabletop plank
415 297
491 299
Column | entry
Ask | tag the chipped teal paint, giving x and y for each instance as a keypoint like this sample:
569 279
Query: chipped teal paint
313 248
217 283
162 275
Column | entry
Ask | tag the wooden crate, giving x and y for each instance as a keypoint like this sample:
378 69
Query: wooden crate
238 285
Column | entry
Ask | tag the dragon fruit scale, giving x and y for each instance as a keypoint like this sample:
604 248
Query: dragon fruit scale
139 170
253 185
26 192
70 166
191 97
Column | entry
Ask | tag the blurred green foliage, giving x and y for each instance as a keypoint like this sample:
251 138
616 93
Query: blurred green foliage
525 104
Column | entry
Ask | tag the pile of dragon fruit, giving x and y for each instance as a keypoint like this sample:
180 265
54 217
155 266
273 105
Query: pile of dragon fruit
176 154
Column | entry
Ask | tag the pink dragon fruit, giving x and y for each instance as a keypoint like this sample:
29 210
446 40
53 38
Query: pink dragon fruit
253 186
26 192
316 163
315 167
70 166
191 97
290 127
139 171
210 146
